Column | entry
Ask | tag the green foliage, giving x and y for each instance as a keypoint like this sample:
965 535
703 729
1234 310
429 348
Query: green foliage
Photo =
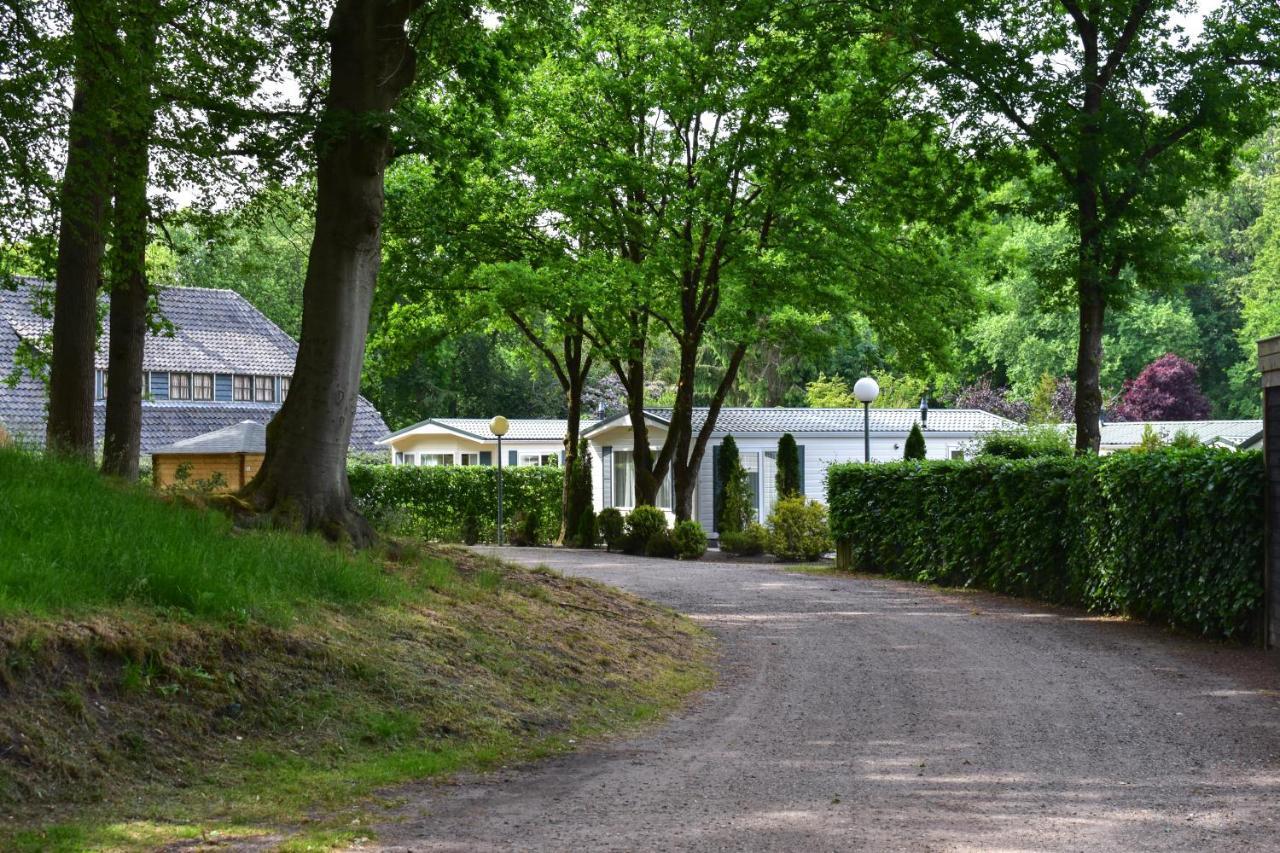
829 392
798 530
915 446
660 544
733 503
689 539
580 498
435 502
643 523
612 527
788 478
1174 536
748 542
71 541
1025 443
585 535
522 528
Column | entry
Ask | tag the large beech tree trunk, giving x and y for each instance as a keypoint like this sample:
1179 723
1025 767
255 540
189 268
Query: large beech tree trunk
81 242
303 479
122 439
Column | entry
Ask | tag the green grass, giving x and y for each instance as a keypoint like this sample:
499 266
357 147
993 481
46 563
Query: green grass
71 541
132 625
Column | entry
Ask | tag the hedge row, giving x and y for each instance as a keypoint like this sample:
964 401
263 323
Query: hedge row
1174 536
436 502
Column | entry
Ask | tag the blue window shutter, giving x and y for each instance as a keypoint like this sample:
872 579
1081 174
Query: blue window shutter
160 386
513 458
717 499
486 457
97 385
222 388
800 455
606 476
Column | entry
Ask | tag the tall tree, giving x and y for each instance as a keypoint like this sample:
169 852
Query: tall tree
82 205
1129 114
303 478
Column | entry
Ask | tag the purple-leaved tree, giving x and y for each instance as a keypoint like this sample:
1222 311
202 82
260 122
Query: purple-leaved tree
1167 389
983 395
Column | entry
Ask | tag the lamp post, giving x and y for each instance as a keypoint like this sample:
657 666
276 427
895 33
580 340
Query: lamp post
866 390
499 426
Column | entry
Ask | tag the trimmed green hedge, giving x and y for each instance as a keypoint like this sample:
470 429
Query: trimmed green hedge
1174 536
434 501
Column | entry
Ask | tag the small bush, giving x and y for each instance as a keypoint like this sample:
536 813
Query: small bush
748 542
915 447
611 527
642 523
523 528
1030 443
470 529
586 534
798 530
660 544
689 539
733 504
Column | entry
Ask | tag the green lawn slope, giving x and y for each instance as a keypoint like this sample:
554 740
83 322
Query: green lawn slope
166 676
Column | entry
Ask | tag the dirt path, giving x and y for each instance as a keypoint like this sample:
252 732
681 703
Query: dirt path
858 713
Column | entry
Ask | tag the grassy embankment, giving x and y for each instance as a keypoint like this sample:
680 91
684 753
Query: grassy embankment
163 676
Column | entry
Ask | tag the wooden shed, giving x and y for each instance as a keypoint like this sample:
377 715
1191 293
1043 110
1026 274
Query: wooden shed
222 460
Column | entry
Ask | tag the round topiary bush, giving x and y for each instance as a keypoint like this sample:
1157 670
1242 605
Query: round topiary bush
661 545
611 527
689 539
798 530
642 523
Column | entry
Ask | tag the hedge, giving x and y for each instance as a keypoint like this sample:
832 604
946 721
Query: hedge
1174 536
433 501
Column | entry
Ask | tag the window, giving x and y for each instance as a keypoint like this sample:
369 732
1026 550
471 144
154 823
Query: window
202 386
400 457
435 459
242 389
100 385
179 386
957 454
284 387
470 458
264 389
624 483
539 458
751 462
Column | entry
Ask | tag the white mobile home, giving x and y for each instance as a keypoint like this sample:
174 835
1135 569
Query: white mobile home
468 441
823 436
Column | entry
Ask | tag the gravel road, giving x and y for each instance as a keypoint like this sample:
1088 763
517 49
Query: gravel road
859 713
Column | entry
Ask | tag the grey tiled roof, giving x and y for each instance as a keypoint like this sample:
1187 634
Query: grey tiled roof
244 437
217 331
519 430
741 421
1233 433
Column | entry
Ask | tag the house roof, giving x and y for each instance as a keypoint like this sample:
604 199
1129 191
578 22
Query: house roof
741 421
1230 433
244 437
215 331
529 429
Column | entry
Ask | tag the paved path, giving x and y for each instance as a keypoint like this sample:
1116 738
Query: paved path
870 714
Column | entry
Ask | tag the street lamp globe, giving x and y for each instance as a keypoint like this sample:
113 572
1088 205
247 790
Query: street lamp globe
866 390
499 426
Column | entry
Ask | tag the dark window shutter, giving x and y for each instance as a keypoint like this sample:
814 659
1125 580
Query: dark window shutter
717 499
486 457
800 456
606 476
513 458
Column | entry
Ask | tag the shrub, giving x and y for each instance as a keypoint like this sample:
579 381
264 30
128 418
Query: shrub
470 529
748 542
642 523
660 544
915 446
733 496
578 495
1174 536
523 528
1028 443
434 502
586 533
611 526
689 539
788 478
798 530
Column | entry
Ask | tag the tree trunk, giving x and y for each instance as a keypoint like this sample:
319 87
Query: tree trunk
82 203
303 480
1089 366
689 455
122 437
572 504
1089 276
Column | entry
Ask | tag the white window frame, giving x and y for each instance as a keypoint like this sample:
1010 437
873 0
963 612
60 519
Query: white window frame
666 492
401 458
435 460
469 458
